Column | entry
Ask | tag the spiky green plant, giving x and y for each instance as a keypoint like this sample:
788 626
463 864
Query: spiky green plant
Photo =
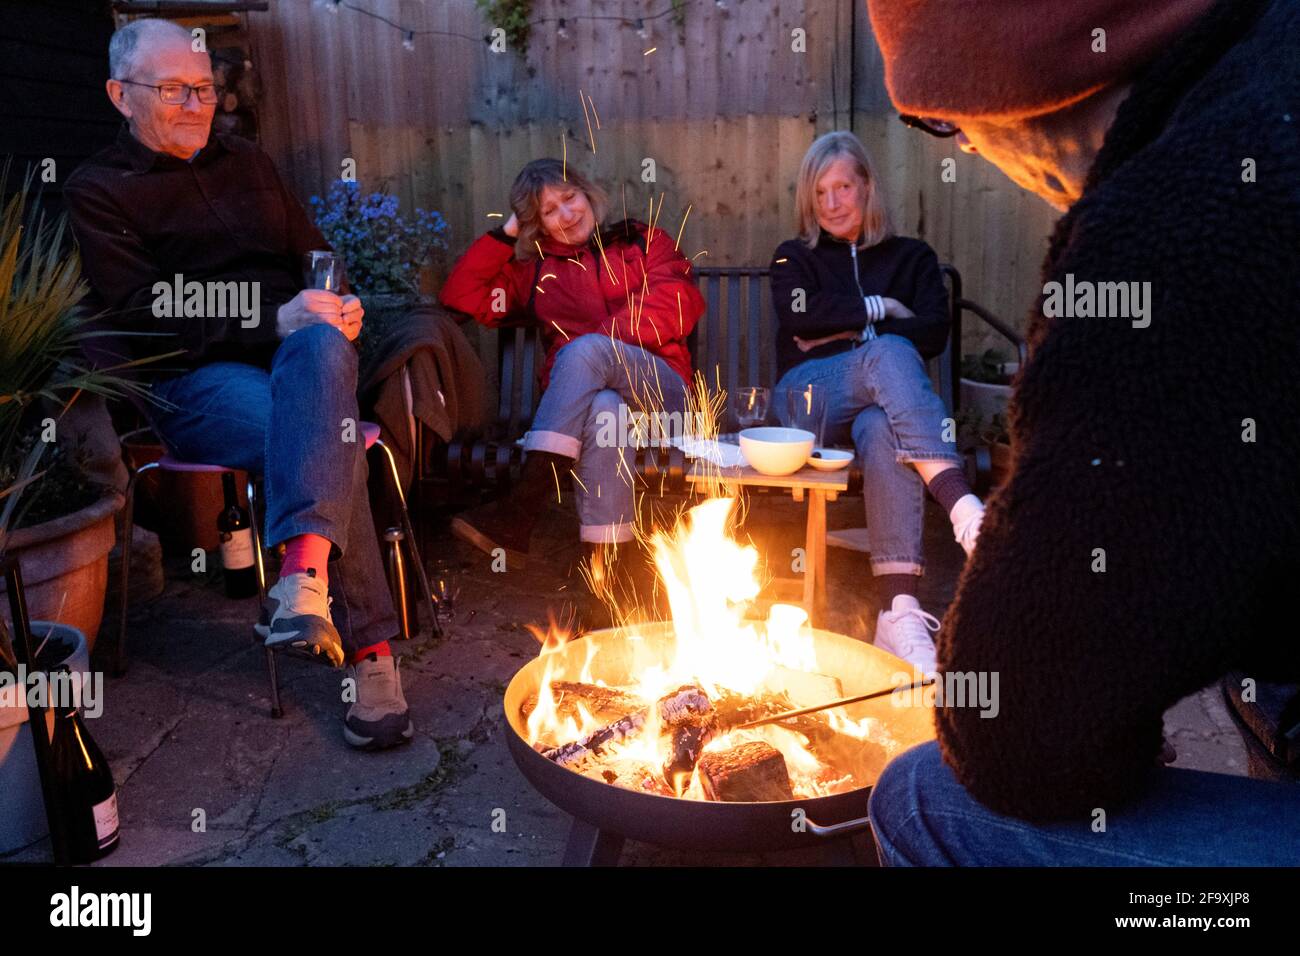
43 325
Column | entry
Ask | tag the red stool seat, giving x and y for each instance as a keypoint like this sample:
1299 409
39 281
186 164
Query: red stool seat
170 463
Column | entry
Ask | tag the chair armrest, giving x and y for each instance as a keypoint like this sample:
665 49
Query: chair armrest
1006 331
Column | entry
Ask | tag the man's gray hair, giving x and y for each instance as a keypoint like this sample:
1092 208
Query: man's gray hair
124 48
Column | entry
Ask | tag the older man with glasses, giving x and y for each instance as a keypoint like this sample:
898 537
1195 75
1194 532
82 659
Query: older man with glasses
271 391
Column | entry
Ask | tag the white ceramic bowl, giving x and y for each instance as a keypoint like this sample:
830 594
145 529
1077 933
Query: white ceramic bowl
776 451
830 459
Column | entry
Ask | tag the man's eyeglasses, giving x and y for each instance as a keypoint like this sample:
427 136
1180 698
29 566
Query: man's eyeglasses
935 127
178 94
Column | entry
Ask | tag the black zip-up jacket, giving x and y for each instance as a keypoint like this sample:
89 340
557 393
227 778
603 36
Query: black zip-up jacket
899 268
141 217
1147 540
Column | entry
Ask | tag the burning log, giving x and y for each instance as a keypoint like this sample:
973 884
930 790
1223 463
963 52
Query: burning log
682 703
630 774
686 713
689 719
603 703
752 772
736 709
689 737
589 747
733 709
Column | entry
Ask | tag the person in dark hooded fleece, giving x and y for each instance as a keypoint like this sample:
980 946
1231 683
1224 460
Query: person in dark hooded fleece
1144 542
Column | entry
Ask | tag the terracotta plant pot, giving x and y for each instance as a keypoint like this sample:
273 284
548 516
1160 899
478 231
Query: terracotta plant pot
65 565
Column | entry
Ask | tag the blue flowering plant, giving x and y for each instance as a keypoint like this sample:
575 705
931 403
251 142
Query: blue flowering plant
382 251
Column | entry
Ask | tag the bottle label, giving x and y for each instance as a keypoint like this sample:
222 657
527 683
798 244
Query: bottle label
106 821
237 550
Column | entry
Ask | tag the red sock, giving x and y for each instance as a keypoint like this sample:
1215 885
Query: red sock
304 552
379 650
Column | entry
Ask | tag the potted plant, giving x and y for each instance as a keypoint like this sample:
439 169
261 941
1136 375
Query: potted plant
54 518
986 382
977 431
383 252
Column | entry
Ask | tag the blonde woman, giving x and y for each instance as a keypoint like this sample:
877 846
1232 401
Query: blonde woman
859 311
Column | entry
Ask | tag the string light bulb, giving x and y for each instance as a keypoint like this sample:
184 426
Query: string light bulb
641 29
562 29
408 41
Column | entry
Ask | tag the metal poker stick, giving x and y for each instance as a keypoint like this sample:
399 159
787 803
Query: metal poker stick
775 718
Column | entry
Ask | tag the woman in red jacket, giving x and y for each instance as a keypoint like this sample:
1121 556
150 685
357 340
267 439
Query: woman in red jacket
614 305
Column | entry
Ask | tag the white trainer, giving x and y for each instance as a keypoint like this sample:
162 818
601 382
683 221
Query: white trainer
967 516
904 631
296 616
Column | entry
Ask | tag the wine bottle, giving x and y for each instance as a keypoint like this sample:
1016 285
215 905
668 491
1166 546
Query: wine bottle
84 790
236 543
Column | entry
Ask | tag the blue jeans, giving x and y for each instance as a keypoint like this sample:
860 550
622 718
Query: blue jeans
922 816
879 394
290 427
596 385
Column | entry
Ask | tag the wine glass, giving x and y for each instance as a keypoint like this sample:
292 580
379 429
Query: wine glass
749 405
323 269
446 588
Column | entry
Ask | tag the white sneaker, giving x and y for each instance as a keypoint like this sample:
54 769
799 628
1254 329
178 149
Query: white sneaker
967 516
904 631
379 717
296 616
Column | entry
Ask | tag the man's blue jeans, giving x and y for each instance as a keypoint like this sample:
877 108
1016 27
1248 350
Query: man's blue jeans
299 428
922 816
596 382
879 394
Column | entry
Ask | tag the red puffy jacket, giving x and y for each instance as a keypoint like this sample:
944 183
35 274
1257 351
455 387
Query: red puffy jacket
640 291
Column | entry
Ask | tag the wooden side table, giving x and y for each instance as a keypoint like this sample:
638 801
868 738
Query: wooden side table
817 487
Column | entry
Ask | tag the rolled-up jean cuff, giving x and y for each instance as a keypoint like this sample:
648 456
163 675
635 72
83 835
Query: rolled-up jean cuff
285 530
619 533
557 443
908 457
385 629
897 566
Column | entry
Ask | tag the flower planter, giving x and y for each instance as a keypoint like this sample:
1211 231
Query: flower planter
65 565
984 399
23 821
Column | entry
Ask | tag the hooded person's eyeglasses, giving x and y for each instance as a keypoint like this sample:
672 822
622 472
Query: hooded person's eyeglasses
927 124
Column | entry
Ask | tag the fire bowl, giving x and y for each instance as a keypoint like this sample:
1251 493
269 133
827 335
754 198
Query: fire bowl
690 824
